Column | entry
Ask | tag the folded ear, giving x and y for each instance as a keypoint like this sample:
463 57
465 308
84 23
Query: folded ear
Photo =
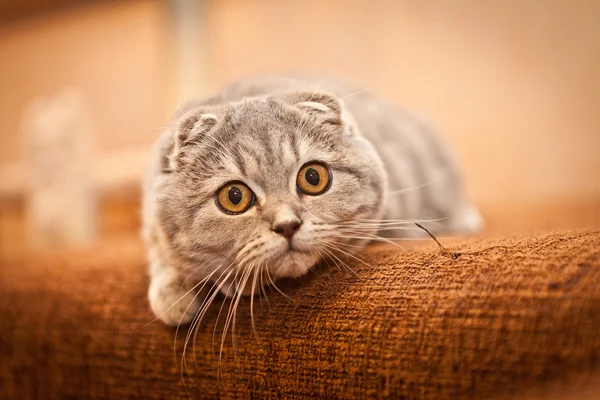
190 130
317 103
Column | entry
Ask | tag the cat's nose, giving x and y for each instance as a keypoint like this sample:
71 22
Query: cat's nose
287 229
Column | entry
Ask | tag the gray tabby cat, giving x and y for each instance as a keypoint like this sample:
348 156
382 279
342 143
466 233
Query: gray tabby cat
271 175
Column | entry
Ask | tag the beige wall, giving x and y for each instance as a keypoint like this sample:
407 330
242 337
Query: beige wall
515 85
116 53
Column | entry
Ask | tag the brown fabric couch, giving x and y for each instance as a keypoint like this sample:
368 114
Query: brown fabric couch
510 316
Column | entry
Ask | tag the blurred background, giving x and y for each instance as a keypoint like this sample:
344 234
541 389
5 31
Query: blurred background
85 87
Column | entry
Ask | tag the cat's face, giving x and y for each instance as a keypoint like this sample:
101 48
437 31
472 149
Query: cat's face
267 183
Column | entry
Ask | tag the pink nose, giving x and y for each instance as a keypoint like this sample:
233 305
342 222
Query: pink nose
287 229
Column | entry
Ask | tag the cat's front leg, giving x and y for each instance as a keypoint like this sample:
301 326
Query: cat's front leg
172 298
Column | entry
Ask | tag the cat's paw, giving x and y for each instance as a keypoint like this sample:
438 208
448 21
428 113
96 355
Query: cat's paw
171 303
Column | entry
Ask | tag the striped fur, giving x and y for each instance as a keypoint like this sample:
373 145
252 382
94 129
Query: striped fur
385 164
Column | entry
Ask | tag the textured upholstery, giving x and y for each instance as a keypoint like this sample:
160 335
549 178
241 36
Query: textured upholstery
507 317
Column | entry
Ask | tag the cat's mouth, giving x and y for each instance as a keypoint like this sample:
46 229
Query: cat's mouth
294 260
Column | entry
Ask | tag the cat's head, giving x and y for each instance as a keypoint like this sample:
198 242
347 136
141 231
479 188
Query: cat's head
271 183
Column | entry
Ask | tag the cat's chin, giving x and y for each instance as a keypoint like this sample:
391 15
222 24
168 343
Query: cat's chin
294 263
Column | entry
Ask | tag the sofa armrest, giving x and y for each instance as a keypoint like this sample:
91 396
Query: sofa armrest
506 317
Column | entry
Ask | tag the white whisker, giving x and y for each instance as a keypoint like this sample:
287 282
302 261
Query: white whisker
262 286
252 305
399 221
272 283
371 238
335 257
355 93
195 322
231 316
410 189
360 230
331 245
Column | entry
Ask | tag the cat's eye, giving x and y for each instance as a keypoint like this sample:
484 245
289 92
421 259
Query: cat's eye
313 179
235 198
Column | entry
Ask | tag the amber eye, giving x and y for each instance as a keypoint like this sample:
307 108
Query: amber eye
235 198
313 179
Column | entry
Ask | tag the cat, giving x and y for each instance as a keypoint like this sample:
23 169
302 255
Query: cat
273 174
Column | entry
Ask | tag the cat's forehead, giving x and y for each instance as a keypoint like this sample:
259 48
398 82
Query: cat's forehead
269 156
265 146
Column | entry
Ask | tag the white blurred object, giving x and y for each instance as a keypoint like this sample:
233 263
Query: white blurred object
61 208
